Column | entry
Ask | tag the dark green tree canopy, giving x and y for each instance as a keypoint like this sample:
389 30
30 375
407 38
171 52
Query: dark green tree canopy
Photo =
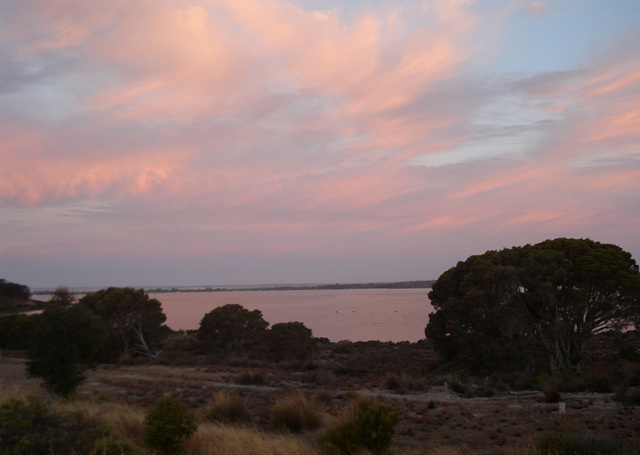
134 319
232 328
67 340
13 294
537 303
290 340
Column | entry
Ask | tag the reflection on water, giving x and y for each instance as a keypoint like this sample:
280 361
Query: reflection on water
352 314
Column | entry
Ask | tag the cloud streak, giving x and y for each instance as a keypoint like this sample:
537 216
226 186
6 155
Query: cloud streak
273 132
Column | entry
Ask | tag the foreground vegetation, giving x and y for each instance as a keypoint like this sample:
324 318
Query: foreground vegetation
277 409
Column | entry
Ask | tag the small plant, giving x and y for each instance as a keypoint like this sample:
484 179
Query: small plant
404 383
168 424
296 413
228 407
363 424
551 392
321 376
250 377
578 444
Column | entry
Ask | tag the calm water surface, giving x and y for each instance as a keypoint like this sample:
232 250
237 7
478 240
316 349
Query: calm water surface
356 315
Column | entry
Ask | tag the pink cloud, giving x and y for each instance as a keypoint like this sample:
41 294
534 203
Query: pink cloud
221 126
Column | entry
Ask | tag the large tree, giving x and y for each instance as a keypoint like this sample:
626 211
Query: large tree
134 320
542 302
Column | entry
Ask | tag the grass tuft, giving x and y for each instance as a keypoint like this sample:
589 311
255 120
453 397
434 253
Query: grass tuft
229 407
296 413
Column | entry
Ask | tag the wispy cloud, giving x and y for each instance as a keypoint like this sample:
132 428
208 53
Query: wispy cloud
264 127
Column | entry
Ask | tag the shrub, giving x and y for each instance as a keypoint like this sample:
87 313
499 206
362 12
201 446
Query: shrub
578 444
629 395
228 407
361 425
296 413
168 424
28 427
321 376
250 377
551 392
404 383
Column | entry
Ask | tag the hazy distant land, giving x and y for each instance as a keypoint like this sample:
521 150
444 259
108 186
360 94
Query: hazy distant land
267 287
300 287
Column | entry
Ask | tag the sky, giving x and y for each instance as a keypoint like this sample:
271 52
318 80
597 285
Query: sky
212 142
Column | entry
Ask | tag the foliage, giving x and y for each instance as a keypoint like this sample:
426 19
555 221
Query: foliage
361 425
28 427
67 341
296 413
134 320
232 329
168 424
15 330
579 444
12 294
533 306
290 340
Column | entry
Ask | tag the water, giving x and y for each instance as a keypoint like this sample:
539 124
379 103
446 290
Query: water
351 314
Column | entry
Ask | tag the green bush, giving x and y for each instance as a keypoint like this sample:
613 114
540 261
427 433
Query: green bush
168 424
579 444
362 425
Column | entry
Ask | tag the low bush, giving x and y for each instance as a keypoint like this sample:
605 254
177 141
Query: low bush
361 425
27 426
404 383
321 376
251 377
579 444
630 395
168 424
296 413
229 407
551 392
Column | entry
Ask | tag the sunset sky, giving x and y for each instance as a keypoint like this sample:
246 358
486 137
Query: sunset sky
212 142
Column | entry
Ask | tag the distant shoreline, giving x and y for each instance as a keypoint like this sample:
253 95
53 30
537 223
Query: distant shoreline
416 284
316 287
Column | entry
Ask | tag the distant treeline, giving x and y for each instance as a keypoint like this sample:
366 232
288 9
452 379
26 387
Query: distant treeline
319 287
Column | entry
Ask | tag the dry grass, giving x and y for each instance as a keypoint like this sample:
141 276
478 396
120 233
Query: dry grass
125 420
216 439
296 412
229 407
